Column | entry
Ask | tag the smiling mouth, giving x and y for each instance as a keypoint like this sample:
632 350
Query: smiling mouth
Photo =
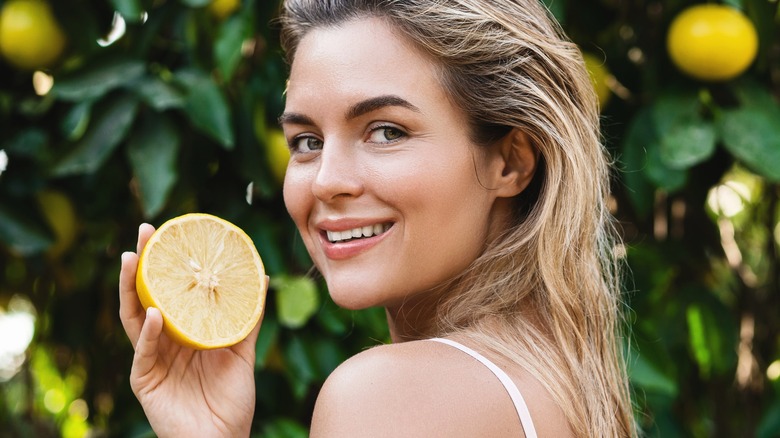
357 233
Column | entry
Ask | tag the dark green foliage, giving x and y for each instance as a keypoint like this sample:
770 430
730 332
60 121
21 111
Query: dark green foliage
173 118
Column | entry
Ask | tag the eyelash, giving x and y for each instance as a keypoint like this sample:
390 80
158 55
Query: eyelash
294 148
293 144
401 133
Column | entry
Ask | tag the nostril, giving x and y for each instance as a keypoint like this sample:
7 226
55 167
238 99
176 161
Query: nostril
336 177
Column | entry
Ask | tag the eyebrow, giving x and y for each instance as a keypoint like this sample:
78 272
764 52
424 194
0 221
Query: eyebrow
379 102
356 110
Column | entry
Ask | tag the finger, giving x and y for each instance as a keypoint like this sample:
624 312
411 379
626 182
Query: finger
251 339
145 231
131 313
147 349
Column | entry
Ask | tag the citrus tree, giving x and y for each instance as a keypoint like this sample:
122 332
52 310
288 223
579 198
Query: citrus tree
116 112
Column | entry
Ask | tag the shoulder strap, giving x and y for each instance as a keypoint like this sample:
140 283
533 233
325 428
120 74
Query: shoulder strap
509 385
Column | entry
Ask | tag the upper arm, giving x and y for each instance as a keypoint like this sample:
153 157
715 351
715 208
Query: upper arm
419 390
369 395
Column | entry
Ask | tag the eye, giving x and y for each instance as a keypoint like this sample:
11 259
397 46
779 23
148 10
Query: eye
385 134
305 144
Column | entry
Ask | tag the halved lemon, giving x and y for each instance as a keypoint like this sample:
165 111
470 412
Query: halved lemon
205 276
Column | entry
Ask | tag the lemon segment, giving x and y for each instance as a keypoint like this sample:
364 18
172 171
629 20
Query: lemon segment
207 279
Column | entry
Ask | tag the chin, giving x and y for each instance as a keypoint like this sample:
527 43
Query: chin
354 298
351 302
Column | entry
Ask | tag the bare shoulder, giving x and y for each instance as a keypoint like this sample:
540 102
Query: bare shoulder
423 389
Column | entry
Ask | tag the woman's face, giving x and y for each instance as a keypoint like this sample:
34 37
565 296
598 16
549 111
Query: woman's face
382 183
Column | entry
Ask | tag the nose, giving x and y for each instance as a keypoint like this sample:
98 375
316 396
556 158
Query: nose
338 176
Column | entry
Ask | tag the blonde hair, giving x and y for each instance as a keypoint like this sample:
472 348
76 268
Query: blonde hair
546 293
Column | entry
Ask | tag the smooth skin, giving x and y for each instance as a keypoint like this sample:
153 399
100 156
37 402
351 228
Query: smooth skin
375 141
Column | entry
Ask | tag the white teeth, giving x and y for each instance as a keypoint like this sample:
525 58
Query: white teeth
356 233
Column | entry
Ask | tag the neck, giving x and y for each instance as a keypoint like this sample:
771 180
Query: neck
412 320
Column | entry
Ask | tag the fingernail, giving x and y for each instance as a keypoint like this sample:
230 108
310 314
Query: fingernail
125 255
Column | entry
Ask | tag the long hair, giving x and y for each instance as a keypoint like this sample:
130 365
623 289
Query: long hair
546 293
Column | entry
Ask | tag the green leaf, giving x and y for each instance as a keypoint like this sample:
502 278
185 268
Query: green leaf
206 106
159 94
374 321
332 319
130 10
75 122
650 378
688 142
686 138
770 423
737 4
93 81
328 354
712 332
265 339
643 136
697 336
750 132
284 428
22 233
301 371
658 172
102 137
752 135
557 8
673 107
296 300
227 47
196 3
633 161
265 235
30 142
153 149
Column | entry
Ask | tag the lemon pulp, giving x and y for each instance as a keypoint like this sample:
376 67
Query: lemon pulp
207 279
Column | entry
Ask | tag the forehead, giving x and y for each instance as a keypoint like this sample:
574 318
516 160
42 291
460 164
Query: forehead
361 58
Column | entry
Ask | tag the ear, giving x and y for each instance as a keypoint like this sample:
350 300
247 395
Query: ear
513 164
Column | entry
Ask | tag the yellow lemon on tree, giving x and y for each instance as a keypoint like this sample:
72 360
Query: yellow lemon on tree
30 37
599 77
59 213
712 42
205 276
278 153
221 9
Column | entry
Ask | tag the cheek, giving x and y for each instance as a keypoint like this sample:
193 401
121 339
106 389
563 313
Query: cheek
297 196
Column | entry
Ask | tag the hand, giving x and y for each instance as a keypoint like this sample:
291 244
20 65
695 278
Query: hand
184 392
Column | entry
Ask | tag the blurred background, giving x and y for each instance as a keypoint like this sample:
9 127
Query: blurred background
116 112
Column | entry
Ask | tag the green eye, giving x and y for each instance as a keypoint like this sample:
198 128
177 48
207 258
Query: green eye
386 134
392 134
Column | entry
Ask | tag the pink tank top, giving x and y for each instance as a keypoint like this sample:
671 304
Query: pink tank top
509 385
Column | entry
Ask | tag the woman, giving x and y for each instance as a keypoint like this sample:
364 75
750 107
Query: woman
446 165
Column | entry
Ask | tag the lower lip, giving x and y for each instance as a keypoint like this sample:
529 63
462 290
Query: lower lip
352 248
